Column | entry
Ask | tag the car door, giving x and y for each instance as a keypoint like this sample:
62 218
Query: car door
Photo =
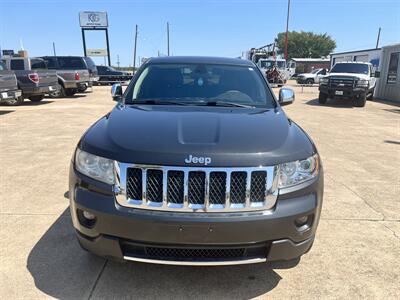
372 79
320 74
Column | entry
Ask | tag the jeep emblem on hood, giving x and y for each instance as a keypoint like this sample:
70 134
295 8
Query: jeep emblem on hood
198 160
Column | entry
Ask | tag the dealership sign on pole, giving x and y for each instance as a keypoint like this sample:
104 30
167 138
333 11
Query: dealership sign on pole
93 19
96 52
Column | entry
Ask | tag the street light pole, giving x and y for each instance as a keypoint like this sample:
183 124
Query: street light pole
377 40
287 28
134 51
168 38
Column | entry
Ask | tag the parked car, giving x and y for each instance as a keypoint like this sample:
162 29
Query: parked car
9 92
109 75
312 77
33 77
72 71
355 81
93 74
197 164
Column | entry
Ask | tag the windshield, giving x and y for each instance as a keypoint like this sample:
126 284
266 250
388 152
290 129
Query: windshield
281 64
350 68
315 71
266 64
200 83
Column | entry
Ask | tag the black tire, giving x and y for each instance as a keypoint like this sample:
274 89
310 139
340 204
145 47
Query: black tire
322 98
70 92
82 88
59 93
371 95
310 81
36 98
15 102
360 100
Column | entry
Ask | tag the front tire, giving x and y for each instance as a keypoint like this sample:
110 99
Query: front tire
82 88
310 81
371 95
360 100
70 92
36 98
322 98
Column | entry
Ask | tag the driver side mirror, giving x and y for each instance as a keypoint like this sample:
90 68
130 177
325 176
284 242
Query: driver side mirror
116 92
377 74
286 96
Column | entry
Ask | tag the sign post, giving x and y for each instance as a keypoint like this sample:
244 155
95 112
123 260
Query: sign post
90 20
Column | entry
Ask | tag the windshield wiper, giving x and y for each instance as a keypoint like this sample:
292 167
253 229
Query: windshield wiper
226 103
157 102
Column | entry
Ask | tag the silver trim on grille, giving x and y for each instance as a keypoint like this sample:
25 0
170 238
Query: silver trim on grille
271 190
197 263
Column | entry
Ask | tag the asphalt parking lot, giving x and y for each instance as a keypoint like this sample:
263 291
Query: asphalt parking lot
357 249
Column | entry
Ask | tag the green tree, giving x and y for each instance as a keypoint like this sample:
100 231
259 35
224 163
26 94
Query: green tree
305 44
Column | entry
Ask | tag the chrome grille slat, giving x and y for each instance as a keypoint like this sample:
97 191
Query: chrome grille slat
196 189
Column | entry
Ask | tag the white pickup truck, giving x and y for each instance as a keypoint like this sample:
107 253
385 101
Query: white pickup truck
310 78
351 80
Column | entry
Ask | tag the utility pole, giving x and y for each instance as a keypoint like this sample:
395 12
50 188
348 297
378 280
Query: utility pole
287 28
168 38
118 60
54 49
377 40
134 51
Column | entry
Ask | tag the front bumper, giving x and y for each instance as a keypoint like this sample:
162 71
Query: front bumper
10 95
127 233
339 92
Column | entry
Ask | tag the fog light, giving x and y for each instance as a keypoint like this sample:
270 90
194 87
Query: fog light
86 219
88 215
301 221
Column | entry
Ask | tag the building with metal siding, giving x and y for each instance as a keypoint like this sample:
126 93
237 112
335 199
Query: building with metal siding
388 85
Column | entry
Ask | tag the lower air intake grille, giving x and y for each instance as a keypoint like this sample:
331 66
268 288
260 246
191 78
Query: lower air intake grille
189 253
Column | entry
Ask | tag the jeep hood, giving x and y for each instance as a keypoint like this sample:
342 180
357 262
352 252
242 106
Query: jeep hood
167 135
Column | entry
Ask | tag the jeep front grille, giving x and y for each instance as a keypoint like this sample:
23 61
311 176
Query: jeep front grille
197 189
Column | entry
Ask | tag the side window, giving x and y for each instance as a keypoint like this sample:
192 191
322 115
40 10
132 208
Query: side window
51 62
17 64
2 67
393 67
322 72
38 64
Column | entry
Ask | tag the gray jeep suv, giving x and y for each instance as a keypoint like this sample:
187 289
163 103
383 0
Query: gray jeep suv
197 164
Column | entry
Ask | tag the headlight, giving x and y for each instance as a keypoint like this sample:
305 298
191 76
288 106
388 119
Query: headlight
324 80
362 82
296 172
95 167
